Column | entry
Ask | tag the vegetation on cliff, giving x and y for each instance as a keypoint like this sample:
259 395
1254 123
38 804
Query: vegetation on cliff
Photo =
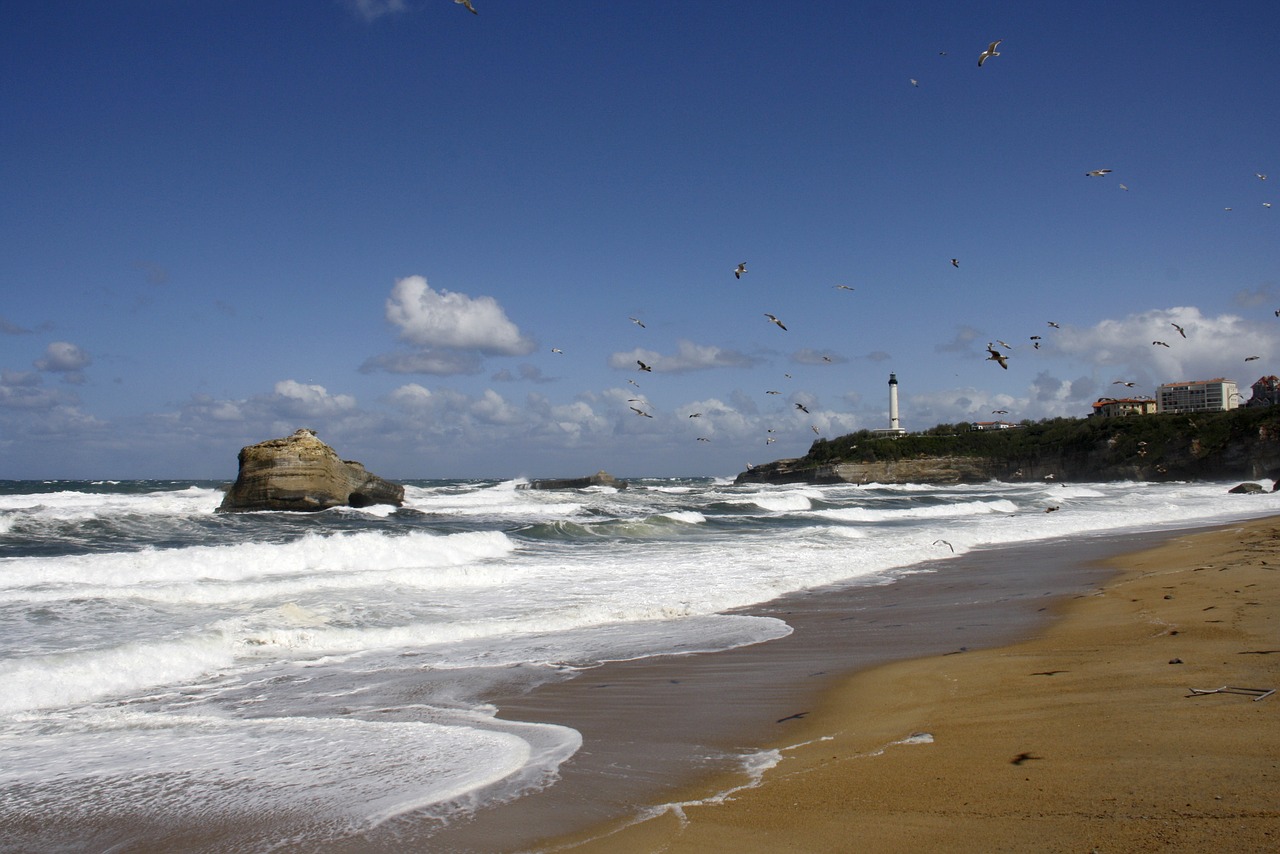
1201 444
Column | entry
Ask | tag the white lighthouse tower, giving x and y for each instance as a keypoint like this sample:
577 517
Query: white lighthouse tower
895 427
893 403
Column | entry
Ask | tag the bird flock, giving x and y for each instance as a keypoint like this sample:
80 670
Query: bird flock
999 356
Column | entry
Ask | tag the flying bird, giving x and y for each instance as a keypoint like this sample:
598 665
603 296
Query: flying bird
640 412
1124 383
803 408
842 287
637 322
643 366
1251 358
999 412
771 391
1054 325
1181 331
997 356
814 428
739 270
1261 177
1098 173
914 82
467 3
775 320
556 350
1266 204
989 52
955 262
1004 345
1123 187
695 415
703 439
945 543
1159 344
770 440
826 358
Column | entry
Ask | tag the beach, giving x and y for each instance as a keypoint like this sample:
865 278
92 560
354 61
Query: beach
1083 736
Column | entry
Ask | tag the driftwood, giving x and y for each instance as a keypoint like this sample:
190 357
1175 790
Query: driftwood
1256 693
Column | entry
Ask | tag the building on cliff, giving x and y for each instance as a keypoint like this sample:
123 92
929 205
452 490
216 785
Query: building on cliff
1216 395
1110 407
1266 392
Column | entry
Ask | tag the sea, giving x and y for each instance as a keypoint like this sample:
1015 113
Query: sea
300 679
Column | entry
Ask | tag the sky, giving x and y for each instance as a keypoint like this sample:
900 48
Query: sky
445 241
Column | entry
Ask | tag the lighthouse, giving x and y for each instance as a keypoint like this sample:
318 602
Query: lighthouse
893 403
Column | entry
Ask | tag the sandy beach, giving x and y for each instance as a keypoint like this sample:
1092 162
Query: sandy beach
1085 737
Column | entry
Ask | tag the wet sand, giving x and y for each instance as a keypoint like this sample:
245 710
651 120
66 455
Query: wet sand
655 727
1085 737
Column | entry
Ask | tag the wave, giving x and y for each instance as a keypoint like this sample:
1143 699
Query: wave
936 511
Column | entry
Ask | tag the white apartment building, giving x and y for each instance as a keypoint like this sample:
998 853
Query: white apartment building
1216 395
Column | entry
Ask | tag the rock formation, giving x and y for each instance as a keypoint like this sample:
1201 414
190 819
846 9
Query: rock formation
300 472
600 478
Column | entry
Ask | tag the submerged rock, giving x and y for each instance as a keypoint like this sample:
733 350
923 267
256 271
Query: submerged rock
1247 488
600 478
299 472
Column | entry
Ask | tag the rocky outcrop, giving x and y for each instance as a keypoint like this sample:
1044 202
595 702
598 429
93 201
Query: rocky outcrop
1246 489
600 478
299 472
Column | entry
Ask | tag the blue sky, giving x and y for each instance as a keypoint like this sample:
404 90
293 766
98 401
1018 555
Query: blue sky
381 219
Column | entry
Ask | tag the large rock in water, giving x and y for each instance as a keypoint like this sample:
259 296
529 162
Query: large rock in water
600 478
300 472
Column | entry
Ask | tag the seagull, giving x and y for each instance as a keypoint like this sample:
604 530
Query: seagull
1035 337
999 412
842 287
1098 173
1054 325
814 428
640 412
955 262
643 366
1251 358
771 391
1159 344
1004 345
989 52
945 543
770 440
997 356
1261 177
826 358
556 350
1266 204
803 408
1181 331
633 382
914 82
695 415
775 320
1124 383
1123 187
703 439
467 3
637 322
739 270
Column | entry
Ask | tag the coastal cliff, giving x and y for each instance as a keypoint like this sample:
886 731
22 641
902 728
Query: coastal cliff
1242 443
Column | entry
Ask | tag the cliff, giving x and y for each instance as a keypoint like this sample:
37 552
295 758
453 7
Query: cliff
299 472
1242 443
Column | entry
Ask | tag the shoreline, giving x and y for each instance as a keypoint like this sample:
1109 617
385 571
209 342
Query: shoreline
1081 735
658 725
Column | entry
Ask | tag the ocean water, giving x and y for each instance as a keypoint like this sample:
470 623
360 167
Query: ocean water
317 676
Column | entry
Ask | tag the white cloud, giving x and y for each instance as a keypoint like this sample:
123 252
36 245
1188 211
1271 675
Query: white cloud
688 357
63 357
371 10
311 400
441 319
1212 347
